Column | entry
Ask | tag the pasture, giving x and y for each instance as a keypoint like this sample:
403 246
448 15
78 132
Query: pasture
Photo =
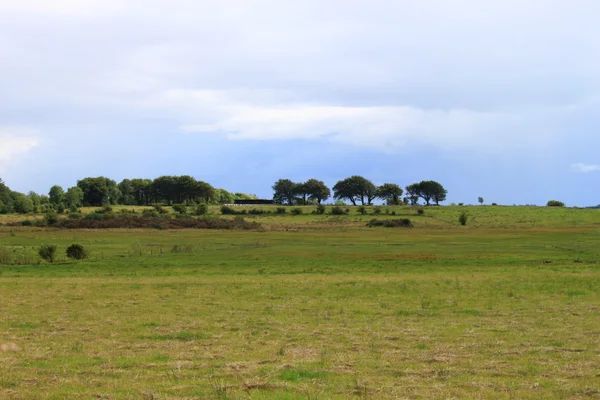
310 307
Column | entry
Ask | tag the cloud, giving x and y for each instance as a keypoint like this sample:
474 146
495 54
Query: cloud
585 168
15 142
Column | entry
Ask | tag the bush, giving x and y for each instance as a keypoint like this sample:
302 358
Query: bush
297 211
77 252
48 252
494 204
337 210
180 209
226 210
257 211
281 210
51 217
179 249
391 223
420 211
463 218
362 210
27 222
150 214
159 209
377 211
320 209
201 209
6 255
74 215
105 210
555 203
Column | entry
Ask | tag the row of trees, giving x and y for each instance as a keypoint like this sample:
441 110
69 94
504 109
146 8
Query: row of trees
101 191
356 189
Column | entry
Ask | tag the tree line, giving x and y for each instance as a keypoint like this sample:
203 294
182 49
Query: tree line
102 191
356 189
185 189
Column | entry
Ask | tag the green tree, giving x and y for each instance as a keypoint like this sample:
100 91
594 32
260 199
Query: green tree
316 190
36 199
285 191
128 195
356 188
390 193
22 204
74 197
480 200
428 191
56 195
99 191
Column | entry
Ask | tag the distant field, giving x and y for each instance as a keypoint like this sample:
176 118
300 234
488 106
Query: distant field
310 307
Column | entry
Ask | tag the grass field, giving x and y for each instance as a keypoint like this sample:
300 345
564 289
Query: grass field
310 307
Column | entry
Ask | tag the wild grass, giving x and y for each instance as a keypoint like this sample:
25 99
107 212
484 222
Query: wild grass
310 308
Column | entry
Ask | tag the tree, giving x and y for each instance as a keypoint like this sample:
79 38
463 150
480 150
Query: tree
22 204
390 192
412 192
285 191
480 200
56 195
128 195
356 188
428 191
74 197
315 190
99 191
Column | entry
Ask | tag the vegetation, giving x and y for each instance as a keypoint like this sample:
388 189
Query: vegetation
555 203
47 252
77 252
318 306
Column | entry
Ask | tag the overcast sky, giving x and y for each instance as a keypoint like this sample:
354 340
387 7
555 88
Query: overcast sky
498 99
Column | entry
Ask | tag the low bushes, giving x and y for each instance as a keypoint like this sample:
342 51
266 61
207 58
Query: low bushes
391 223
555 203
149 220
77 252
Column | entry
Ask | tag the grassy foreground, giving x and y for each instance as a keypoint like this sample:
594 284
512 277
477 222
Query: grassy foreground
316 307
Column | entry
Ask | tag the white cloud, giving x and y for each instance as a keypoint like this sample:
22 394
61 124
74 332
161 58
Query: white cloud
15 142
585 168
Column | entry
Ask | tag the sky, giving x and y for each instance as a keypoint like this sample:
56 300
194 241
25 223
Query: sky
498 99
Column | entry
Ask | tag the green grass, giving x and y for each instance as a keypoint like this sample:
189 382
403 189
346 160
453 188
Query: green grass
316 307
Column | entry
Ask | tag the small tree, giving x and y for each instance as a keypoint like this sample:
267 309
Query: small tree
480 200
48 252
463 218
555 203
77 252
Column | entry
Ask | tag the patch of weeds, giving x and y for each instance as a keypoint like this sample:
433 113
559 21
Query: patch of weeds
183 336
291 375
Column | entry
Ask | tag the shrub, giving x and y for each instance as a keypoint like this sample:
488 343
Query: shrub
391 223
180 209
74 215
201 209
281 210
51 217
150 214
6 255
494 204
48 252
337 210
377 210
226 210
320 209
461 204
159 209
179 249
95 216
297 211
77 252
555 203
420 211
105 210
362 210
463 218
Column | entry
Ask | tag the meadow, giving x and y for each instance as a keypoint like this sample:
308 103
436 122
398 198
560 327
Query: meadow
310 307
